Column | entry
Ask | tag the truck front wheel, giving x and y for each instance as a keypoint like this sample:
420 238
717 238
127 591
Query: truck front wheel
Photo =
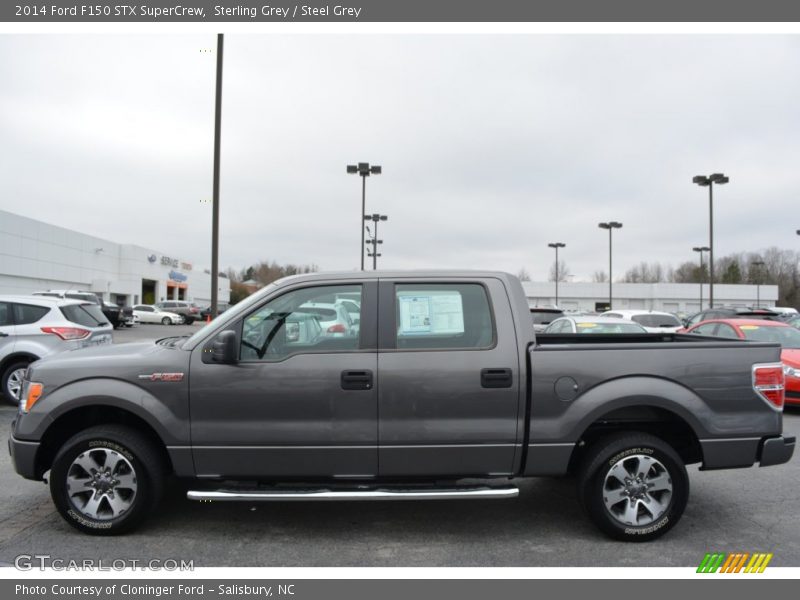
633 486
107 479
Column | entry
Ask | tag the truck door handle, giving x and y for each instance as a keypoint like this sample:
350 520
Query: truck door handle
356 380
3 334
496 378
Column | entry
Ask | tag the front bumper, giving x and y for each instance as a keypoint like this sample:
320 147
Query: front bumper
23 455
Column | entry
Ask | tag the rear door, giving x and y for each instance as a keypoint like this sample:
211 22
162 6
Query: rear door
449 386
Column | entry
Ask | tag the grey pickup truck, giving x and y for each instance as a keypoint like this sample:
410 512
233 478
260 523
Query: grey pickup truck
437 388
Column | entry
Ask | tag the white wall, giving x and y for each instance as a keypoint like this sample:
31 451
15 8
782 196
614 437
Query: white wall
38 256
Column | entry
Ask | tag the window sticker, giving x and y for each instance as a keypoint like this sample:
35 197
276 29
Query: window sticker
433 313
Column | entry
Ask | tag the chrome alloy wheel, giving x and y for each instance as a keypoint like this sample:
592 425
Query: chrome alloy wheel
14 384
637 490
101 484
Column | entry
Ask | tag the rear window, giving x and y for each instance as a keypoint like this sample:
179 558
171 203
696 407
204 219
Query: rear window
323 314
543 318
25 313
657 320
787 337
443 316
88 315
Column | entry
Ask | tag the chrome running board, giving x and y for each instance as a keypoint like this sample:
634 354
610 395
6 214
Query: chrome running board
320 494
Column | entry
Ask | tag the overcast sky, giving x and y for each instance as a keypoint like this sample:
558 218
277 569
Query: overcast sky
491 145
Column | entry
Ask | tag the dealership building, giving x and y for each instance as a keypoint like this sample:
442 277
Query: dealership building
36 256
668 297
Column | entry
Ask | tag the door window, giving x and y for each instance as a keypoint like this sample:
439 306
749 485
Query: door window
707 329
5 314
443 316
727 331
298 322
26 313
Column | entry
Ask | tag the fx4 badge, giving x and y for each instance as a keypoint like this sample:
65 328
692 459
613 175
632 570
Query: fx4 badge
162 377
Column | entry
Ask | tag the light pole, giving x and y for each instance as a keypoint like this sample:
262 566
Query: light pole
557 245
611 226
709 182
759 273
375 218
215 185
365 170
701 249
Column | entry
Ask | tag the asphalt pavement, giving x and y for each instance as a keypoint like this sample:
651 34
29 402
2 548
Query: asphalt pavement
751 510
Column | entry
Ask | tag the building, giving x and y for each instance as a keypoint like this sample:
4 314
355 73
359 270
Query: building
37 256
669 297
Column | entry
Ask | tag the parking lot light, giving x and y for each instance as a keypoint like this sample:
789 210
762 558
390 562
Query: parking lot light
364 170
611 226
759 273
709 181
701 249
375 218
557 245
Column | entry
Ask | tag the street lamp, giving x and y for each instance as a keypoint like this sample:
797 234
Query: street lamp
375 217
701 249
611 226
365 170
709 182
557 245
759 273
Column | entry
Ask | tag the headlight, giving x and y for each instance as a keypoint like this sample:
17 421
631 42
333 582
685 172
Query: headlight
790 371
30 394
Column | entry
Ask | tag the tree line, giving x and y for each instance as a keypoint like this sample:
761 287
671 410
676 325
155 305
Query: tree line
261 273
773 266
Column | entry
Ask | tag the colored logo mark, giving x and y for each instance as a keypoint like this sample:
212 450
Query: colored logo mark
736 562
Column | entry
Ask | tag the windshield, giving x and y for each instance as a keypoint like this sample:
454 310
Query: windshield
609 328
657 320
787 337
241 307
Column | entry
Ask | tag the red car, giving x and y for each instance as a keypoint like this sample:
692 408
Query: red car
759 330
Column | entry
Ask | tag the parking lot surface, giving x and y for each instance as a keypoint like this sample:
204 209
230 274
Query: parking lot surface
737 510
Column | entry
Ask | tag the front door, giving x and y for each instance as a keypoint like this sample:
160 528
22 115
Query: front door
301 402
449 394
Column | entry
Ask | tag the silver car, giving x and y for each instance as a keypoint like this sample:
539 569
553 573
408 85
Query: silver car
32 327
593 324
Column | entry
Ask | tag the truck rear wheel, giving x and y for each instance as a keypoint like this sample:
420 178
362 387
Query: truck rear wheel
107 479
633 486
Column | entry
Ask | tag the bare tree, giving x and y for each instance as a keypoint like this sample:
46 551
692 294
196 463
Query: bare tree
600 277
563 271
523 275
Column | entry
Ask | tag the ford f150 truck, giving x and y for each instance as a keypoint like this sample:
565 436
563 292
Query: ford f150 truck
442 382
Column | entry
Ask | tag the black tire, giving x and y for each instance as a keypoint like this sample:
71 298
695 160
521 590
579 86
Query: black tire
593 491
166 321
189 321
149 473
5 380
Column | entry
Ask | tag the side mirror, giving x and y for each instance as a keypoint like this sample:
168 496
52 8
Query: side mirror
224 349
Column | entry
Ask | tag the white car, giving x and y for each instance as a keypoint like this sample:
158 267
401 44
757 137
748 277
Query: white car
334 318
32 327
153 314
652 320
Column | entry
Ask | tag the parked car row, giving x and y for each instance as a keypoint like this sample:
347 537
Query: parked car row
32 327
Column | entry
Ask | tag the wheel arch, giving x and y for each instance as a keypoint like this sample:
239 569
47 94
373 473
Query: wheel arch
654 419
73 421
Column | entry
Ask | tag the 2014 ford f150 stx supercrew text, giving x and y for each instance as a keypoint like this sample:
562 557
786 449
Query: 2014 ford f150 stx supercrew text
393 385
